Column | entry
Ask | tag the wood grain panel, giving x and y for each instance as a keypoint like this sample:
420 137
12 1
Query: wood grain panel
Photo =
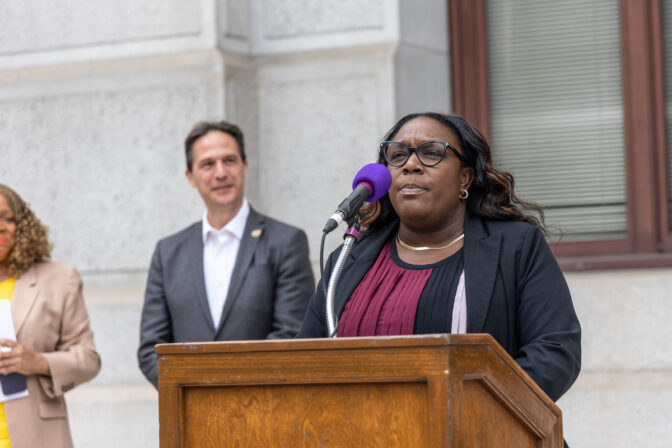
371 415
489 423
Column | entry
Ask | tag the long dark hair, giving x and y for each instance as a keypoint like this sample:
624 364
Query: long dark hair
491 193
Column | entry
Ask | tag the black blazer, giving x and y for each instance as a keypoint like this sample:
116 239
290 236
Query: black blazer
515 291
271 284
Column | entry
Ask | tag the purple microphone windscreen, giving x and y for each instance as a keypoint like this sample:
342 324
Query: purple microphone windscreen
376 176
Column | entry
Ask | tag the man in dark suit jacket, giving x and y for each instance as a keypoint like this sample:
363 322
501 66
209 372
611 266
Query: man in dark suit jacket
236 274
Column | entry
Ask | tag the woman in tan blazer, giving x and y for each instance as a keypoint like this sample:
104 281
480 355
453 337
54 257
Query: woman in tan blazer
54 348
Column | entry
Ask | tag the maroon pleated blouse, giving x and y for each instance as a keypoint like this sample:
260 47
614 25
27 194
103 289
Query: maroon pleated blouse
386 300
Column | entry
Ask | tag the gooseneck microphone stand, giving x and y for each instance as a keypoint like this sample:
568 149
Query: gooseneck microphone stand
350 238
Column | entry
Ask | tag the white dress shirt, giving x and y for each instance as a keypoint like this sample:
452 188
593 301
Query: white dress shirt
220 249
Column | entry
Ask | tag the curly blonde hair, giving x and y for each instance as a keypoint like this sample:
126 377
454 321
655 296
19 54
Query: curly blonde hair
32 244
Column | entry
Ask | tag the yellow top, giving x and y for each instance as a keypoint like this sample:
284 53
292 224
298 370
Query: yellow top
6 291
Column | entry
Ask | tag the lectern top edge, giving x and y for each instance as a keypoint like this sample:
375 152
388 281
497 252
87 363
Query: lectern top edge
324 343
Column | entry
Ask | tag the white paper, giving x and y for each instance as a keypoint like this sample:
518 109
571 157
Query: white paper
6 322
7 332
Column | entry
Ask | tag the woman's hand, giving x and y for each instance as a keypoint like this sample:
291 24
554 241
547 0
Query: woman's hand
21 359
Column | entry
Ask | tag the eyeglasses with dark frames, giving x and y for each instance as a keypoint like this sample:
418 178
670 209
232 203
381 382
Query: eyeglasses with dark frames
429 153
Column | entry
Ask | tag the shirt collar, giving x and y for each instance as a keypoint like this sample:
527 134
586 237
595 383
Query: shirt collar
235 227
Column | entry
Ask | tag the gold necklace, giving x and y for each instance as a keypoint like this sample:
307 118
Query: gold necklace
409 247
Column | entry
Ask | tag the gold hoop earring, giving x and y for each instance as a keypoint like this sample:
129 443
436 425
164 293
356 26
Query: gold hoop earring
464 194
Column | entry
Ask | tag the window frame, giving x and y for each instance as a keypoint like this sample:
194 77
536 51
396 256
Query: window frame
649 240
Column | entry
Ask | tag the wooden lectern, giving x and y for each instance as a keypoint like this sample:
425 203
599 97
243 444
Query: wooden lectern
406 391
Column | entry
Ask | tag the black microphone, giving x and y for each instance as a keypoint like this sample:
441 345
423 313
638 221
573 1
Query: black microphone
370 184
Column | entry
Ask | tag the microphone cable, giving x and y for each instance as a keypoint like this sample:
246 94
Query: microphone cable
324 287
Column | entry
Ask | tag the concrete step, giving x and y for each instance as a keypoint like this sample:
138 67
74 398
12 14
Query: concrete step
619 409
111 416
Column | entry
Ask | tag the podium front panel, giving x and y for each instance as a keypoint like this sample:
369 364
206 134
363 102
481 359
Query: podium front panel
415 391
340 415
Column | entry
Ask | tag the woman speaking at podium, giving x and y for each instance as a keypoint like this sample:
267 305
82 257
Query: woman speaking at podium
54 349
450 249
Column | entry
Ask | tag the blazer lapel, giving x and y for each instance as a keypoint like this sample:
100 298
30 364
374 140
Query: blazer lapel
24 296
481 258
195 259
254 230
